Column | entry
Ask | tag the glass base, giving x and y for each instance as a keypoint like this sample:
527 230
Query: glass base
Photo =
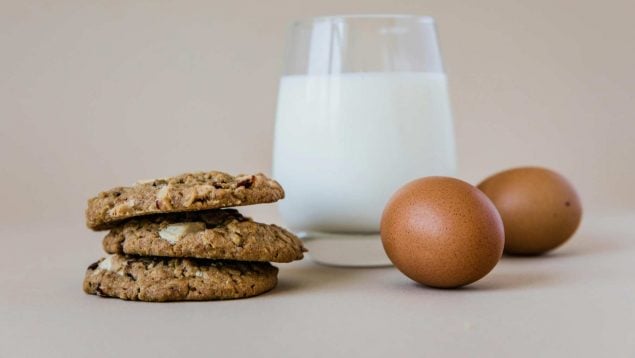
350 250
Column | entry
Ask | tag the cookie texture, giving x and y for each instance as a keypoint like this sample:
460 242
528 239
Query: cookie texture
186 192
159 280
215 234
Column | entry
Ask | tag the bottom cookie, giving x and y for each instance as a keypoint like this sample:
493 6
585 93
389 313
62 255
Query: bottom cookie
161 279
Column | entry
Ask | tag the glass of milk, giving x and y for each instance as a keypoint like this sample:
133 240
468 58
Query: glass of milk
362 109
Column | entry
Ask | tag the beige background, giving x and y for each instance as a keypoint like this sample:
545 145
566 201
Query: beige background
99 93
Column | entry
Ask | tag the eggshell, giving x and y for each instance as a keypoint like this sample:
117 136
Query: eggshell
442 232
540 208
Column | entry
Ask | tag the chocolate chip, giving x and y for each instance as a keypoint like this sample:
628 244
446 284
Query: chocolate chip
247 182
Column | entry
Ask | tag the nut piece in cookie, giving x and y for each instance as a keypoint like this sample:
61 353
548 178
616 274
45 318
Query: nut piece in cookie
174 232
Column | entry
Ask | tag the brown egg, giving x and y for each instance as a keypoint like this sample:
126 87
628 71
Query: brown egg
539 207
442 232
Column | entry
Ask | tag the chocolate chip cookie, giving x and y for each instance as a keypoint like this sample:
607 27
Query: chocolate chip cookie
186 192
156 279
214 234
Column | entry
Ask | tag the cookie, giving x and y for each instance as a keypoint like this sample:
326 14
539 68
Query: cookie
159 280
215 234
186 192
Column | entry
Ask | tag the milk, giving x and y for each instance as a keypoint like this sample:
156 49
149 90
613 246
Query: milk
344 143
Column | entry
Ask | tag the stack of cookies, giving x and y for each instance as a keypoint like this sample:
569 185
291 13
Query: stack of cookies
173 239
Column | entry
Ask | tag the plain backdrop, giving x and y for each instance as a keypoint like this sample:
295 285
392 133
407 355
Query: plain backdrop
95 94
100 93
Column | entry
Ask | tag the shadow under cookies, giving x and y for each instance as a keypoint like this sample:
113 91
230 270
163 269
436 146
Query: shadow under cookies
310 276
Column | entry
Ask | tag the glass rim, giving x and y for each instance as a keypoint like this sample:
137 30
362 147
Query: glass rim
311 20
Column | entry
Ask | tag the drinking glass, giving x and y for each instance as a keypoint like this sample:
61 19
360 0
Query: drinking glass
362 109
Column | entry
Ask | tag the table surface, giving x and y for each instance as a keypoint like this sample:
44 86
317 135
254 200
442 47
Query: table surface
577 301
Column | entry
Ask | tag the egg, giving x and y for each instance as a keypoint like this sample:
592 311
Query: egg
442 232
540 208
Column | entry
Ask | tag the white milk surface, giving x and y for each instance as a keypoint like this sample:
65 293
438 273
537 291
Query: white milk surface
345 143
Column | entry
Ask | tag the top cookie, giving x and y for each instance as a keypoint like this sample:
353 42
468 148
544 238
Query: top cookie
186 192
